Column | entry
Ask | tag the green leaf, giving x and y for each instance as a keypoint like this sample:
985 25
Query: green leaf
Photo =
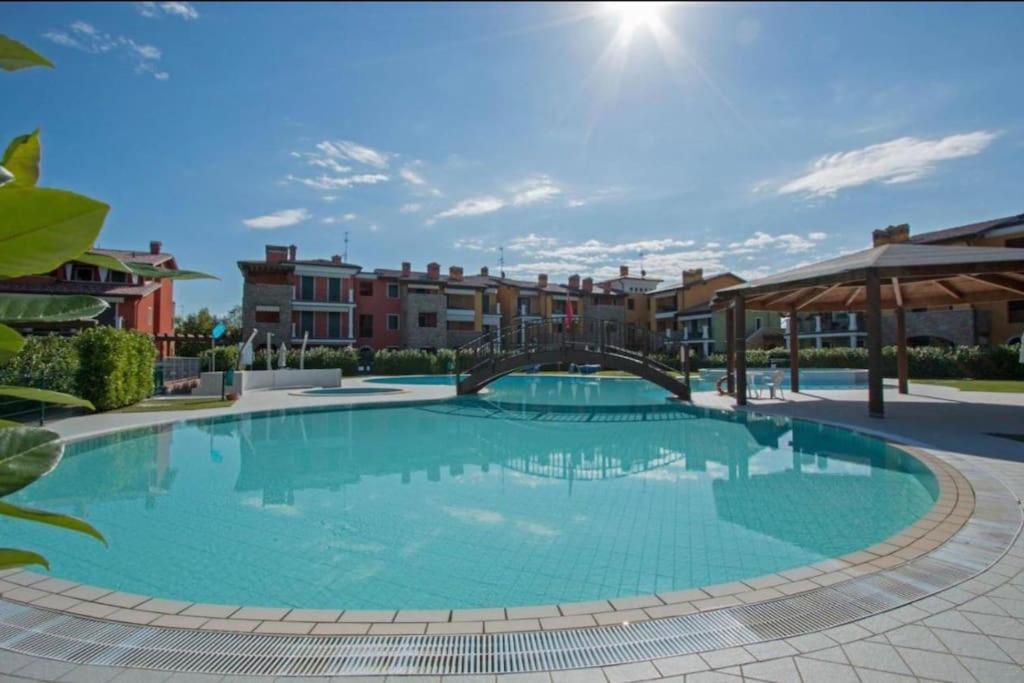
41 228
152 272
22 308
26 454
43 395
22 159
14 56
51 518
10 343
99 260
10 558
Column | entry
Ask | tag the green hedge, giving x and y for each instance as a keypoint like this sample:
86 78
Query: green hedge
225 356
926 362
115 367
44 363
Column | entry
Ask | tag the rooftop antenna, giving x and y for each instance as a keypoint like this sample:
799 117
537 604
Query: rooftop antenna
345 253
643 273
501 260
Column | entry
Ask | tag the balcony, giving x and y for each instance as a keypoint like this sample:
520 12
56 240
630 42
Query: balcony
461 315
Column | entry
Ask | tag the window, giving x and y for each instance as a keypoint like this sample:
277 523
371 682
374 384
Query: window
306 323
306 292
83 273
631 303
365 325
393 291
366 288
1015 311
334 289
334 325
118 276
268 314
486 304
393 320
427 320
757 323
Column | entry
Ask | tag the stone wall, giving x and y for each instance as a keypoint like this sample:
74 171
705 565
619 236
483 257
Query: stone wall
253 295
416 337
957 326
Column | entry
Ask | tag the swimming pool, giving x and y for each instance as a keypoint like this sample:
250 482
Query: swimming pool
466 503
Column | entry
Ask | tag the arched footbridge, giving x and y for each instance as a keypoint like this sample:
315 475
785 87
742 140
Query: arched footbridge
550 341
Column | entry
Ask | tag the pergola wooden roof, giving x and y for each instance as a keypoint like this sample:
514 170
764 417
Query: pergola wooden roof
911 275
896 275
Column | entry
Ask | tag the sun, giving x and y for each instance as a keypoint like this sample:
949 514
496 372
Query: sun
634 15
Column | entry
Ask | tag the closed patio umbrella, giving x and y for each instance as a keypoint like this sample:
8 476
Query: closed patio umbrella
282 356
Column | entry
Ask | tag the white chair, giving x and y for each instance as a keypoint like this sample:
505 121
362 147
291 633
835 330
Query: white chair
754 382
775 387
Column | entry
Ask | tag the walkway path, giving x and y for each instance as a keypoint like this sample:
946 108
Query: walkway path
972 632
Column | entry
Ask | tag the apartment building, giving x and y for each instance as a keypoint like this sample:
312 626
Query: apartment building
962 325
682 313
136 302
635 290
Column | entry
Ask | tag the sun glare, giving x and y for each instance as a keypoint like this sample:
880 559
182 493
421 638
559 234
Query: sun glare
634 15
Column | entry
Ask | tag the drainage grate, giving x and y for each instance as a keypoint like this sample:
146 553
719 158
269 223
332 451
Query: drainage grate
981 542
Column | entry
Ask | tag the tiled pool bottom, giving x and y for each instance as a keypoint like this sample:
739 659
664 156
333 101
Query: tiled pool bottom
832 597
461 505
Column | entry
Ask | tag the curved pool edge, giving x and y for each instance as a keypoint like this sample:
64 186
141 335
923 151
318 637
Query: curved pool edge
834 598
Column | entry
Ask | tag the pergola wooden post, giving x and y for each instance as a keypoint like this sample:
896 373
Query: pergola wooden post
902 362
873 291
685 349
794 351
730 352
739 312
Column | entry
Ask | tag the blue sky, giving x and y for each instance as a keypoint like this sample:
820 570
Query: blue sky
743 137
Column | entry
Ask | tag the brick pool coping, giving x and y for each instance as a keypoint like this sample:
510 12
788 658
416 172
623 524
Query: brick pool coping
953 508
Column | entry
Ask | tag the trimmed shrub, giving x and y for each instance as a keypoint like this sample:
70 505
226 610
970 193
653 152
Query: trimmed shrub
317 357
44 363
115 367
225 357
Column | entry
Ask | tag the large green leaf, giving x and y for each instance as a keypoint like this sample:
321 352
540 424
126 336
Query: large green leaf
10 558
22 159
41 228
147 270
51 518
14 56
22 308
44 395
152 272
26 454
10 343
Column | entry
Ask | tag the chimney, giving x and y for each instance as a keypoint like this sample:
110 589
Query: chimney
336 259
894 234
406 269
542 280
292 252
434 270
574 282
588 284
276 254
484 271
154 247
623 271
455 273
693 275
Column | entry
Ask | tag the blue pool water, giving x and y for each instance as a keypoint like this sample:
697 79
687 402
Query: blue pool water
465 503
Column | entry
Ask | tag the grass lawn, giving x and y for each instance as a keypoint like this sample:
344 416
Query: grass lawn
1007 386
158 405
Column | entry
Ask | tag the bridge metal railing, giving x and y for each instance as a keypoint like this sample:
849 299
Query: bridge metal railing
547 334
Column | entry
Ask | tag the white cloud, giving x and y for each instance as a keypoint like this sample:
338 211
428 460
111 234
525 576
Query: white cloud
897 161
472 244
153 10
346 218
536 189
531 242
325 182
790 242
475 206
346 149
411 207
349 217
411 176
278 219
85 37
330 164
817 236
573 203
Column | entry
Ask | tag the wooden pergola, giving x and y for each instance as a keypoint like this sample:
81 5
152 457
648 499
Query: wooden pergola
892 276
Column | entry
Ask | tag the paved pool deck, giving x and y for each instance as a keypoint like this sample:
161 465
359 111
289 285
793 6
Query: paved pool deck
973 631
